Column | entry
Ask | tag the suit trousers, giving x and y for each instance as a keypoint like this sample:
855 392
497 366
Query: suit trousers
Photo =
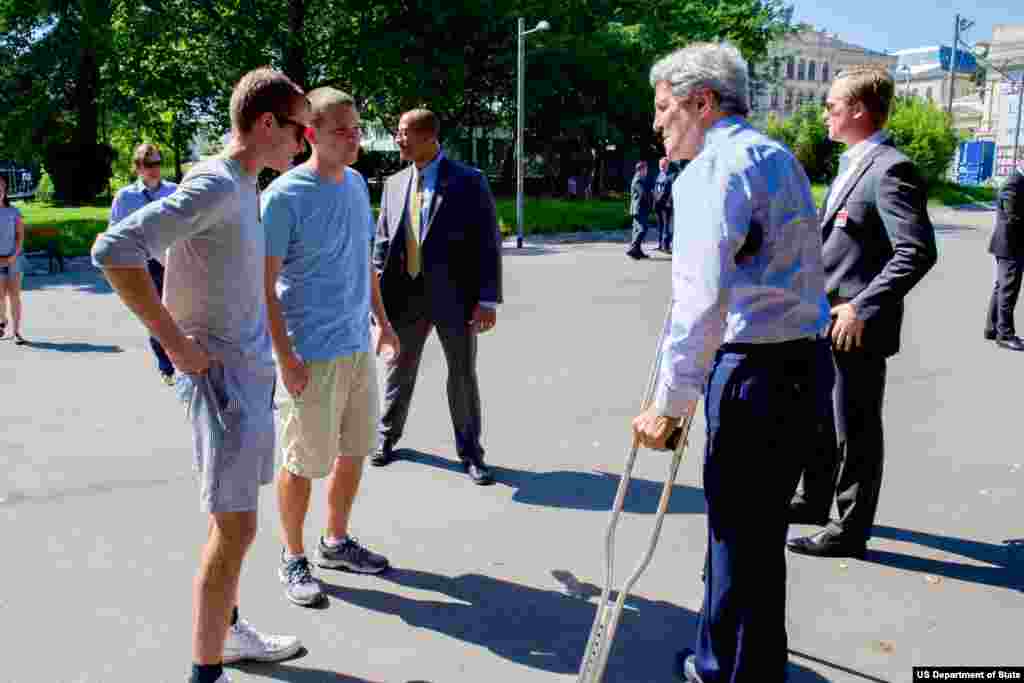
1004 298
639 232
857 401
156 272
460 346
760 400
664 217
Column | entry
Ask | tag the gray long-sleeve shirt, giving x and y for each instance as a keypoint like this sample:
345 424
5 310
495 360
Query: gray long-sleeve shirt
216 256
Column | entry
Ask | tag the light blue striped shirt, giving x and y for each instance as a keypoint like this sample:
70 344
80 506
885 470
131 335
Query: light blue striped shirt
131 198
775 295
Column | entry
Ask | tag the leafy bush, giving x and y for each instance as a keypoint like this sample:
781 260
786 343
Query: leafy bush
921 130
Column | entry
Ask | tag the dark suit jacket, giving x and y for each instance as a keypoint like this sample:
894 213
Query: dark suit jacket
885 247
1008 236
640 196
460 252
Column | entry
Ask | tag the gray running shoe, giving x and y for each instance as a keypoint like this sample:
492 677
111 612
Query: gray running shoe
299 585
351 556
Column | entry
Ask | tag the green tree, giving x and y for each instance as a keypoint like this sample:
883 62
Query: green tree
923 132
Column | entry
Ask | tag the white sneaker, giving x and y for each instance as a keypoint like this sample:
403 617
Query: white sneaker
224 678
246 643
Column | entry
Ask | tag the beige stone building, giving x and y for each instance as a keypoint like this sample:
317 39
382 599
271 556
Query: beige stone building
801 69
1001 100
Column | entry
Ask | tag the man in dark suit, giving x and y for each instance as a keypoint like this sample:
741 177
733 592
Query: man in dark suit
438 255
639 210
663 204
1007 245
878 243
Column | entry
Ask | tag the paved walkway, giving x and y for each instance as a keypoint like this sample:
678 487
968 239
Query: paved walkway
98 512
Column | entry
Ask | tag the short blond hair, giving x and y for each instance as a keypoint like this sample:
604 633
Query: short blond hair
322 100
263 90
871 85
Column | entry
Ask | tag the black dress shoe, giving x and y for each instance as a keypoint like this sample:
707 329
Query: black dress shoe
479 473
385 454
825 544
1012 343
802 514
990 335
636 254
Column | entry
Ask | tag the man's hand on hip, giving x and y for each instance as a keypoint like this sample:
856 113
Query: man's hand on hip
190 357
847 329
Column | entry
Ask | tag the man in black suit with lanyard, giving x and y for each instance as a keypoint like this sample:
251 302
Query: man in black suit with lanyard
878 243
438 255
1007 245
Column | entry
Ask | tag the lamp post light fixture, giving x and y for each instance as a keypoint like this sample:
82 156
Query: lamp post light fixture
520 159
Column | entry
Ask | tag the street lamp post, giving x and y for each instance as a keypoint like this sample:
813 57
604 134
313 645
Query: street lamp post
1020 104
520 160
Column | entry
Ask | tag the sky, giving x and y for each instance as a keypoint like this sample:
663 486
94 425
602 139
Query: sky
895 25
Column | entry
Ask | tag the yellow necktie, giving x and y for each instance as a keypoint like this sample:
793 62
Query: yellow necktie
412 235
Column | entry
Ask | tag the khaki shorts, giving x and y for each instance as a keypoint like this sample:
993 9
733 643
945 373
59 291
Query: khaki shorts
336 415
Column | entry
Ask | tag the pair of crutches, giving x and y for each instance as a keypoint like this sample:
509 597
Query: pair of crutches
606 621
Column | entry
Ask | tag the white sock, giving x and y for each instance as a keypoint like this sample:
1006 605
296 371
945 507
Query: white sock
288 557
333 542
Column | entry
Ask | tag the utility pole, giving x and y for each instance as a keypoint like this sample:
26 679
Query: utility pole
952 67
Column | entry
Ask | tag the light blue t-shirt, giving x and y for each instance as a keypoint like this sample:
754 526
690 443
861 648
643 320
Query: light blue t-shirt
8 229
324 232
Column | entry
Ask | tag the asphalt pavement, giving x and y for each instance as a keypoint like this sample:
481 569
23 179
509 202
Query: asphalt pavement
100 522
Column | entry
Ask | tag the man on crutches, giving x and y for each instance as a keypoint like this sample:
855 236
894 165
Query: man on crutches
746 331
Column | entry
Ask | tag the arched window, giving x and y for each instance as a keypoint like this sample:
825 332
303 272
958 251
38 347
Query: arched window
775 99
790 65
801 70
824 72
812 71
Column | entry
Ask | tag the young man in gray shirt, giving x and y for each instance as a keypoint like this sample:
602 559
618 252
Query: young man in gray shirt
320 284
213 325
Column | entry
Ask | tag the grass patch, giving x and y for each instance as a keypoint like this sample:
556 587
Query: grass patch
543 216
78 225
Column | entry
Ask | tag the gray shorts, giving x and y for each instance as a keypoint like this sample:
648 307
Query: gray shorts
232 460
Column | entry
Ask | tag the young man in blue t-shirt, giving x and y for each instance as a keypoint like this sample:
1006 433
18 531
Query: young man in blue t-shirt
320 286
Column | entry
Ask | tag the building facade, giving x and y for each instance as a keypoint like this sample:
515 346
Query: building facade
924 72
1002 115
801 68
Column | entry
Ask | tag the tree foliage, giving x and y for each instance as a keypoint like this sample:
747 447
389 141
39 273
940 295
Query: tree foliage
923 132
80 73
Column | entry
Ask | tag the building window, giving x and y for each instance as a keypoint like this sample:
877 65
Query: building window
824 98
824 72
812 71
789 99
789 68
801 70
928 94
775 99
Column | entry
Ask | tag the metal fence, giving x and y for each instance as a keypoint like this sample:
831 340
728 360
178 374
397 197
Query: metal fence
21 182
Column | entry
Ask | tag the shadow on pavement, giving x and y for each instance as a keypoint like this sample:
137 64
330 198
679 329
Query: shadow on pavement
541 629
73 347
941 229
527 250
1004 562
576 490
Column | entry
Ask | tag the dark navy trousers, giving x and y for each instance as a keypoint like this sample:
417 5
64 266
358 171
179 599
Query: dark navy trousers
156 272
762 406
